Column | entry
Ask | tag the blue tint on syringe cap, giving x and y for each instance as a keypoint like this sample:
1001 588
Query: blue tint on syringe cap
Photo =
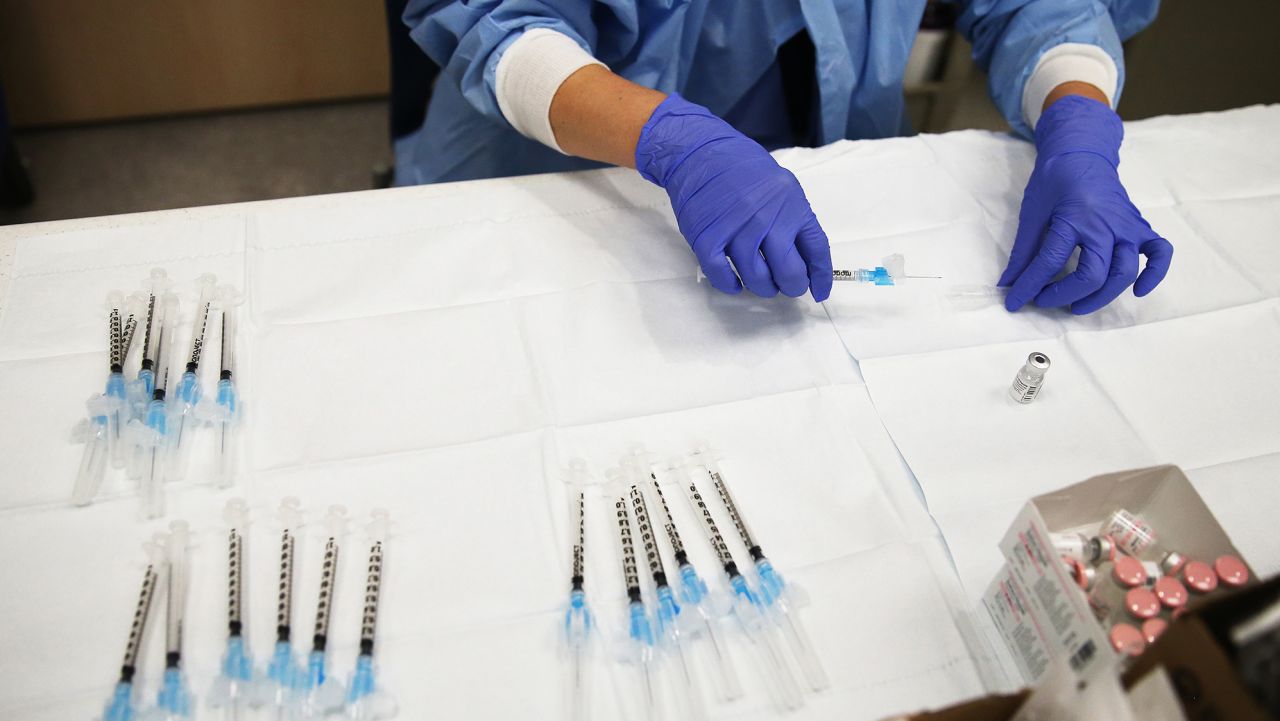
740 588
771 584
280 669
120 707
639 626
227 395
577 618
147 378
362 683
315 674
115 385
667 608
157 416
189 388
174 697
692 588
237 664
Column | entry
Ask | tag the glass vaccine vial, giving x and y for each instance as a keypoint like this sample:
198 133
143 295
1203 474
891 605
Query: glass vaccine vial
1030 378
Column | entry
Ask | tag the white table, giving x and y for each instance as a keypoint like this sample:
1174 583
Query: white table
444 350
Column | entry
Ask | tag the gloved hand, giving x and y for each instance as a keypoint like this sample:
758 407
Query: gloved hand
1074 198
734 202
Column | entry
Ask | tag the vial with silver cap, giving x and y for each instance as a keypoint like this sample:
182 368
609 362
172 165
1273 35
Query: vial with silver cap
1030 379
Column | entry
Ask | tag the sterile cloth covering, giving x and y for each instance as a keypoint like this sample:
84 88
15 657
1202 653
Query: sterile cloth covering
443 351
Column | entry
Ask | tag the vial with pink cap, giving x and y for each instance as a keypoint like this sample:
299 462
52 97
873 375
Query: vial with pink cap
1133 535
1115 581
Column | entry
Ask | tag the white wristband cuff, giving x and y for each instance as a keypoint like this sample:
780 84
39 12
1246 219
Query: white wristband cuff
528 75
1068 62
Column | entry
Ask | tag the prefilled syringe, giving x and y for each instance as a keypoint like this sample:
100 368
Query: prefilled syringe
187 391
749 609
772 586
282 669
639 629
106 410
175 701
669 634
318 693
891 270
365 698
226 413
233 687
122 705
153 435
693 590
579 623
140 390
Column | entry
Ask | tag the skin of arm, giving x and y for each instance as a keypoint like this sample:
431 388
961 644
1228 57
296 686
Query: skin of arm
598 115
1075 88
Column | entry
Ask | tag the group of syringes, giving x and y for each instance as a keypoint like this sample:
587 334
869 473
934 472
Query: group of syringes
286 687
675 618
145 424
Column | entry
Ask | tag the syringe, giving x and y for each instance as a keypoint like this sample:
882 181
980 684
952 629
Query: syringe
121 707
141 388
317 692
748 608
153 436
232 688
772 586
187 393
174 701
670 634
105 409
283 669
893 269
579 623
226 413
639 629
693 591
365 699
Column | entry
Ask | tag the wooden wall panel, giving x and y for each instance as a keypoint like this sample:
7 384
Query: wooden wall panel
69 61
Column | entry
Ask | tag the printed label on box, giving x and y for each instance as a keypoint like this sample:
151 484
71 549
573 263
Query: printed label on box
1057 608
1006 601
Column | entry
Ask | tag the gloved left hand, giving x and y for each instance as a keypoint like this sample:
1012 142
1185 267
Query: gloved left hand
1075 199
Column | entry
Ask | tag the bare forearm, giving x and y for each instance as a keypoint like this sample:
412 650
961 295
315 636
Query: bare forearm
598 115
1076 88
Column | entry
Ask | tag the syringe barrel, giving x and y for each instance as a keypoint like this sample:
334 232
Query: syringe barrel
115 329
722 488
151 334
699 507
200 321
163 341
578 533
228 340
176 552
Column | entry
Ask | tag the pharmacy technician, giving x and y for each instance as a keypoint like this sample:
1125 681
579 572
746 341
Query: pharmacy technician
693 94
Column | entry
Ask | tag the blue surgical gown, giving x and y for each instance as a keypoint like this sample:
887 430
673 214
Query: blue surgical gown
716 53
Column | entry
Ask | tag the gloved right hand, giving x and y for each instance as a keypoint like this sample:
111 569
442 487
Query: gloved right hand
734 202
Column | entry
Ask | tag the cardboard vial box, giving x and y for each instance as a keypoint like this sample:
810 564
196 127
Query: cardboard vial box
1040 612
1045 620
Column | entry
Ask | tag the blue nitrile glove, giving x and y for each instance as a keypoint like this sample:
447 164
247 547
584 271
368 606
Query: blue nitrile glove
1075 198
734 202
